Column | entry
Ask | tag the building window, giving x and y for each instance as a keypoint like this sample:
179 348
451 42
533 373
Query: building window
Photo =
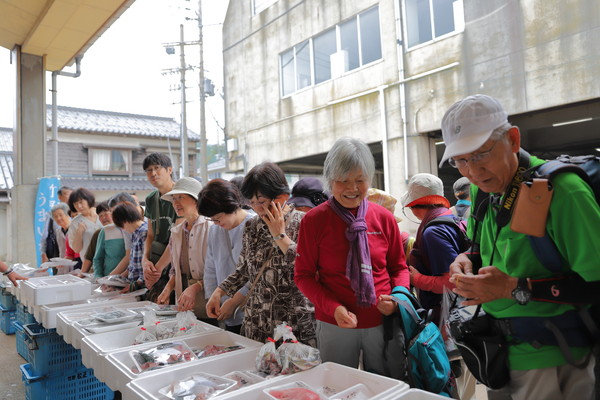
345 47
259 5
110 162
295 68
429 19
324 46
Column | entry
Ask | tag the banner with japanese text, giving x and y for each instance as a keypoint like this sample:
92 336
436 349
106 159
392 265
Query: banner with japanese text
47 197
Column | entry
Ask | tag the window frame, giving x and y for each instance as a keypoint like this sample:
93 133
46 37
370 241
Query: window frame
338 41
262 7
434 39
94 172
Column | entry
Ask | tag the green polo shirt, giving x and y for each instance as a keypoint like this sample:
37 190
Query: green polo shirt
573 224
161 217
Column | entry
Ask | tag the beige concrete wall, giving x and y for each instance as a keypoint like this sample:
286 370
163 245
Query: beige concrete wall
530 54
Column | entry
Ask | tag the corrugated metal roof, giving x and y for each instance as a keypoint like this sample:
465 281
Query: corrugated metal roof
6 142
115 123
6 159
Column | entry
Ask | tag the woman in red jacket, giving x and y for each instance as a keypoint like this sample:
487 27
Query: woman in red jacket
350 257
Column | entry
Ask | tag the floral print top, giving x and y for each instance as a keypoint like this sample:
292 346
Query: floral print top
275 298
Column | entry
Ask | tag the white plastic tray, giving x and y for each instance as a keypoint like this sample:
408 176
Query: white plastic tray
47 314
329 378
73 333
147 386
94 348
54 289
120 373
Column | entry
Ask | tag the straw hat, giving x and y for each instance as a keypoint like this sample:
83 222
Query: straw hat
383 199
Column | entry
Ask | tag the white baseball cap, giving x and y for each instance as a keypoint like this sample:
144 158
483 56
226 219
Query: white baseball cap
469 123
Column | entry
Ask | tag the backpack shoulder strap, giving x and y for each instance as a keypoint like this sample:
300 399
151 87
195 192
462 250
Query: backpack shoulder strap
550 169
544 248
408 304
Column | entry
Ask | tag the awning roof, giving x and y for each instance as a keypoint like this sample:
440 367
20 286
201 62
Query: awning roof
57 29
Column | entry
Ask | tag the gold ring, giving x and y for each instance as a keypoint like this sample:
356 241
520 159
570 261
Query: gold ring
457 280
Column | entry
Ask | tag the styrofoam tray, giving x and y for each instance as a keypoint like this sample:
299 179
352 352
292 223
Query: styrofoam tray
120 373
292 385
72 333
94 348
54 289
147 387
47 314
329 378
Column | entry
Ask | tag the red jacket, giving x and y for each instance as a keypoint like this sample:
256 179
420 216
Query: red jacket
320 268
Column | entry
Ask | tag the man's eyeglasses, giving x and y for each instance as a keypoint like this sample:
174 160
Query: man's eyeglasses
151 170
480 158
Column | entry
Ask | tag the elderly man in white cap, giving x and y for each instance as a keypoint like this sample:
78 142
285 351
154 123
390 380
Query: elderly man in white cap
485 148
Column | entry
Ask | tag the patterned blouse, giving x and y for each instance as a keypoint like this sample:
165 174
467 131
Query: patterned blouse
275 298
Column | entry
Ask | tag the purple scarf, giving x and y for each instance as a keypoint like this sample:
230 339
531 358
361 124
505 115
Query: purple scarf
358 264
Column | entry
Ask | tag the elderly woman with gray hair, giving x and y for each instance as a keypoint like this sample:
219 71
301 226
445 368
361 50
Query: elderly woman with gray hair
350 257
60 215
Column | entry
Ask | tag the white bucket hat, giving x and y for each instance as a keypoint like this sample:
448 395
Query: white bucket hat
424 189
469 123
186 185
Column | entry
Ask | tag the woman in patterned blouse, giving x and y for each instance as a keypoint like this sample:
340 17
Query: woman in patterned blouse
268 237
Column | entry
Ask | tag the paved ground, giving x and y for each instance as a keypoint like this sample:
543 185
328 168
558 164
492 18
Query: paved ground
11 384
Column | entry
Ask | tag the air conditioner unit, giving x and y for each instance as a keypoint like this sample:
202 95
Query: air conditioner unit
232 145
339 63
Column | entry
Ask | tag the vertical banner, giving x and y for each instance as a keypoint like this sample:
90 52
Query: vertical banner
47 197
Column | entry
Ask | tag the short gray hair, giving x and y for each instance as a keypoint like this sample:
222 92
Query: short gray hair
60 206
121 197
500 132
346 155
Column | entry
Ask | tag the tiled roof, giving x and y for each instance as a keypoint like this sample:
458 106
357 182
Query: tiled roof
110 122
6 159
106 183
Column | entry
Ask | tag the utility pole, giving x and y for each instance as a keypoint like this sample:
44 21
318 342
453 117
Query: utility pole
183 169
203 143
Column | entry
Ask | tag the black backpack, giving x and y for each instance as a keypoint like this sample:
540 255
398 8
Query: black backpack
52 249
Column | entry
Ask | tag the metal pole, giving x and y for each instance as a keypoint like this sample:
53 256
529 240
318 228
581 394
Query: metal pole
183 170
203 143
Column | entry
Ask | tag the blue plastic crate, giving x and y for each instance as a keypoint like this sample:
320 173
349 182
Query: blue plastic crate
49 354
76 385
7 300
23 316
21 341
6 319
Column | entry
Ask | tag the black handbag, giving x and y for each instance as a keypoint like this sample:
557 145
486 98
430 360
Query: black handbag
481 344
52 249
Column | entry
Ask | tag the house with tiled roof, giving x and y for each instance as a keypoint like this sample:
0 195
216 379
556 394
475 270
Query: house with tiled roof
104 150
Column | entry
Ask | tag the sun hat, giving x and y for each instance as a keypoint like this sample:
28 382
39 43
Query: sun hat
307 192
469 123
383 199
461 185
424 189
185 185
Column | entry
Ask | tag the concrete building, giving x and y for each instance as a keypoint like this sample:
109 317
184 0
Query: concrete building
301 73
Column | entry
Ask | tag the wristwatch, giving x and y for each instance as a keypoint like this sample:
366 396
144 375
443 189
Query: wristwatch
279 237
521 293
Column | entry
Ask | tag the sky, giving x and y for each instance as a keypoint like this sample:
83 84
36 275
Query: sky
127 68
